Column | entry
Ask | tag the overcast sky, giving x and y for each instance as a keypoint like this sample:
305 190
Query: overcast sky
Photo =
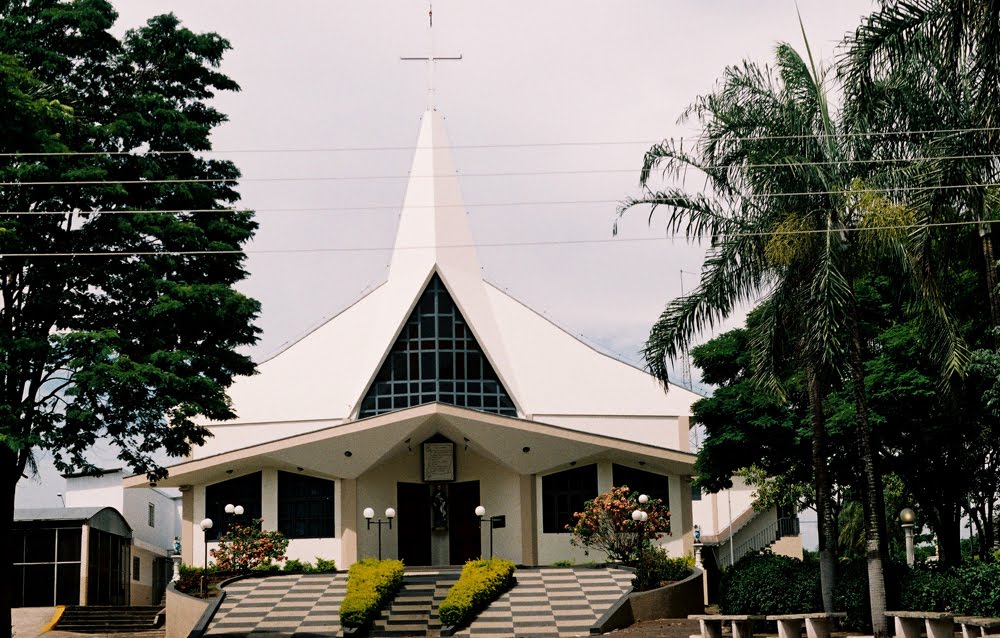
327 75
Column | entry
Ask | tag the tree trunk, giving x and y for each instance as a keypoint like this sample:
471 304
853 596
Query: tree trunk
872 495
993 295
824 508
8 484
949 534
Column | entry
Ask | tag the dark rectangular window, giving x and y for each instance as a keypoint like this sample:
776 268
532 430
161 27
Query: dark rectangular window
244 490
69 545
40 546
151 515
695 493
305 506
564 494
135 568
648 483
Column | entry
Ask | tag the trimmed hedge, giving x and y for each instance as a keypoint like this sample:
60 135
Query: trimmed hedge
370 584
482 582
657 568
769 584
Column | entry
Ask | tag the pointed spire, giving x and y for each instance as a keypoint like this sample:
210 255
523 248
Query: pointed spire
433 225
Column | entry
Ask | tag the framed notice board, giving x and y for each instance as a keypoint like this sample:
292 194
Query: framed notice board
438 461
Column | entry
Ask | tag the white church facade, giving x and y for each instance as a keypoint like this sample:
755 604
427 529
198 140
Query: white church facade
435 393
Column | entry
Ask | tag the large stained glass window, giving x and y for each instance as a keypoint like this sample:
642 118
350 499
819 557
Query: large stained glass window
436 358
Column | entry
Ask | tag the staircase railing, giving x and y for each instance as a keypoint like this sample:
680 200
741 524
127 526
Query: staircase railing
766 537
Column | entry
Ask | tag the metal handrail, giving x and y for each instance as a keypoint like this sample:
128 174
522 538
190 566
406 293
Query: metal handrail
766 537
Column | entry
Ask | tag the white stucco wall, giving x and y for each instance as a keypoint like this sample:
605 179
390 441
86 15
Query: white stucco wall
711 513
227 437
659 431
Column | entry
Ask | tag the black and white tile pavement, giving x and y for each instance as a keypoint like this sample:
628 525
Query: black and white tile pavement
552 602
545 603
300 604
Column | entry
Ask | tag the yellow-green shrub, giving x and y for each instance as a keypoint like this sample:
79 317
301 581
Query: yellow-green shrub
370 584
481 582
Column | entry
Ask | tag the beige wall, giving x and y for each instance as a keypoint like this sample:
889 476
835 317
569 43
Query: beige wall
142 589
183 612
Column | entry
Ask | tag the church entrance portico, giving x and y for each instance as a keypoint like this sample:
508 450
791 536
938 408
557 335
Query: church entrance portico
437 523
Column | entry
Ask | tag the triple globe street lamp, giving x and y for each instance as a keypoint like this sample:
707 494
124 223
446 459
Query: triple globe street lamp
640 516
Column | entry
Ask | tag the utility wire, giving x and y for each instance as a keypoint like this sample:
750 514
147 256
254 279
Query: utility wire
573 202
543 242
234 180
352 149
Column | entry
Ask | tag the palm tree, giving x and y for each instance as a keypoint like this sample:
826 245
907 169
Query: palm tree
784 206
933 66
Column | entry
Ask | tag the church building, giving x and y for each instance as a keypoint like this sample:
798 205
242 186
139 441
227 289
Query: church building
434 394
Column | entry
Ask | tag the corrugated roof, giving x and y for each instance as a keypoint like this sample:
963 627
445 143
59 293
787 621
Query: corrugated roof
57 513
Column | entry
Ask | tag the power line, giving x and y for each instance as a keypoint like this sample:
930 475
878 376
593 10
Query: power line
353 149
233 180
332 178
572 202
543 242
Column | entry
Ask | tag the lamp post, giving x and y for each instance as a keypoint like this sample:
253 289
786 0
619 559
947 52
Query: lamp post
206 524
907 517
640 516
481 512
369 514
232 511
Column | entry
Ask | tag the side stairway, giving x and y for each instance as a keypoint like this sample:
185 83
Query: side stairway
108 620
414 611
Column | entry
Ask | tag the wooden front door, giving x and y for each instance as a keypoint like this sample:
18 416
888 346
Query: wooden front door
414 520
464 535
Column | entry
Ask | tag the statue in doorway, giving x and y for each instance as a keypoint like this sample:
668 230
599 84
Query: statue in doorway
439 507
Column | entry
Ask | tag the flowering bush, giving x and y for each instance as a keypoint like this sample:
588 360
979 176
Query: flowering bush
606 524
246 547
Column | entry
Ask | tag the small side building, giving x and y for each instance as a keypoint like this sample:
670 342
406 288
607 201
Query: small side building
70 556
154 517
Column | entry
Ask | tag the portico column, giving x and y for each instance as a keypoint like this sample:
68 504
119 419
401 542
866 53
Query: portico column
84 564
529 522
187 525
348 522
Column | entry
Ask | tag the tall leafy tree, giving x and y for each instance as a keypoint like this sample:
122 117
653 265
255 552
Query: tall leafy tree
926 75
786 199
129 328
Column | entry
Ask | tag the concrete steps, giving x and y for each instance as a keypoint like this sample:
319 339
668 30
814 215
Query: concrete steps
414 611
107 619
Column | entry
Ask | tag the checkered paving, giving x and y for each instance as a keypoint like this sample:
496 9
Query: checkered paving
548 603
545 603
302 604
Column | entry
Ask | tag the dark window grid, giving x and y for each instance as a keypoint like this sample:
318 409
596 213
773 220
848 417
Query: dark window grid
305 506
564 494
58 555
243 490
413 358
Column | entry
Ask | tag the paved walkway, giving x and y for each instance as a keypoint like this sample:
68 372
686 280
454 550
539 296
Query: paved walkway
552 602
296 603
545 603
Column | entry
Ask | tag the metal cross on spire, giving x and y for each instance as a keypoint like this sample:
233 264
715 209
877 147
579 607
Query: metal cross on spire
430 58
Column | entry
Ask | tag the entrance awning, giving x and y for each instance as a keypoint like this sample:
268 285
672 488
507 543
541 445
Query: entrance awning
348 450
